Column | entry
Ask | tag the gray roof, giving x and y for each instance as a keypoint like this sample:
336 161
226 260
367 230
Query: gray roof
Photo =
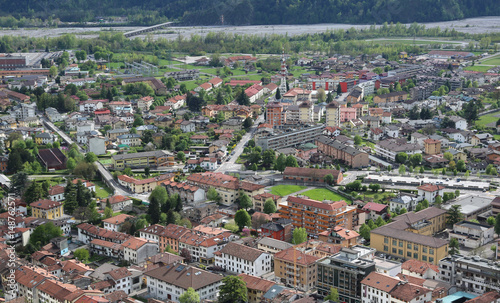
117 131
128 136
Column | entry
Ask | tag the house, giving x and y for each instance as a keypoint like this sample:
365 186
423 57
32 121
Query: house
137 250
291 264
138 186
391 97
47 209
259 201
115 223
256 287
129 139
56 193
420 269
279 230
432 147
118 202
405 201
45 138
188 193
429 192
376 134
339 236
187 126
203 247
88 232
238 258
385 289
460 123
171 281
375 210
97 145
145 103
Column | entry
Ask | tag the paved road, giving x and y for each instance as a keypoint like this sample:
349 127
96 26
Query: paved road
106 175
231 165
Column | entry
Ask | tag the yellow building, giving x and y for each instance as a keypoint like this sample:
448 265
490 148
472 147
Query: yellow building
293 267
333 114
410 236
47 209
155 158
257 287
432 147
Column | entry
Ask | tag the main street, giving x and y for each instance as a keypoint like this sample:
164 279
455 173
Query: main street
106 175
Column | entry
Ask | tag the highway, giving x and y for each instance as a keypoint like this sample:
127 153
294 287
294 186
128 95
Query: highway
106 175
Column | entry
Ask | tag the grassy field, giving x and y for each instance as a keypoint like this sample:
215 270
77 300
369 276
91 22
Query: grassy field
283 190
101 190
321 194
486 119
492 61
478 68
394 41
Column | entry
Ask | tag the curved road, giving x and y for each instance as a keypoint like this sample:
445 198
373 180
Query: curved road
117 188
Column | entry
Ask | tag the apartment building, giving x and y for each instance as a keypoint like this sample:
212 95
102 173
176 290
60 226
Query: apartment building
388 149
188 193
410 236
345 271
294 267
381 288
256 287
239 258
471 234
203 248
137 250
275 114
157 158
115 223
343 152
88 232
317 216
106 248
289 137
129 140
47 209
333 114
171 281
144 185
470 273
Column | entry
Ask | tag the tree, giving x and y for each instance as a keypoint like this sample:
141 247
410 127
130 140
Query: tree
44 233
53 71
380 222
90 157
454 215
269 206
278 94
339 90
402 169
243 99
71 164
438 201
233 290
333 295
268 158
416 159
34 193
364 231
461 166
247 123
181 156
374 187
213 195
85 170
402 157
329 179
189 296
82 254
321 95
497 224
15 162
291 162
280 163
154 208
299 235
108 212
19 182
454 246
358 140
245 201
186 254
70 197
242 219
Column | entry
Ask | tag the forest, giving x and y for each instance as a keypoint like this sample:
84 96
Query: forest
242 12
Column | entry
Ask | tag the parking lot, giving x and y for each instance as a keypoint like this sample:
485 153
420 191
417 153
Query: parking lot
455 183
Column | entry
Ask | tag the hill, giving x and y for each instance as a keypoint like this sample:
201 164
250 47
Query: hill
240 12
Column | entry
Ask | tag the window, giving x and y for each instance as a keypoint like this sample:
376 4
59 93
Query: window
415 256
431 259
424 258
394 250
400 252
424 250
415 247
386 248
394 242
408 254
408 246
431 251
400 243
386 240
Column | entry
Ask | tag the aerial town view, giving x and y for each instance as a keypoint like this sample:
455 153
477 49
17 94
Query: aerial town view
234 151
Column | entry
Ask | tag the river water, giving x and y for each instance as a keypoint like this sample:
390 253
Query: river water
471 25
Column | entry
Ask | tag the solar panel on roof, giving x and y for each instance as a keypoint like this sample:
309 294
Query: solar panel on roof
179 268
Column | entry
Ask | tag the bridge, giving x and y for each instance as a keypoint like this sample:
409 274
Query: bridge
146 29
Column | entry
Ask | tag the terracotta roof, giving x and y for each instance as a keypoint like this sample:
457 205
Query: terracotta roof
102 243
96 231
344 233
241 251
119 273
117 220
134 243
419 267
117 199
317 204
184 276
196 240
45 204
116 296
56 190
57 290
377 207
291 254
430 187
255 283
103 284
431 141
411 279
165 258
128 179
488 297
380 281
407 292
75 266
174 231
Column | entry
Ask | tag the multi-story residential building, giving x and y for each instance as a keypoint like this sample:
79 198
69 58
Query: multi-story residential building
339 236
129 139
106 248
294 267
188 193
24 111
118 202
381 288
410 236
88 232
115 223
259 201
279 230
52 291
113 134
122 279
170 236
137 250
340 151
429 192
203 248
388 149
471 234
470 273
157 158
238 258
97 145
45 138
144 185
56 193
228 187
275 114
256 287
345 271
391 97
289 138
145 103
333 114
432 147
171 281
27 279
47 209
272 246
306 112
317 216
406 201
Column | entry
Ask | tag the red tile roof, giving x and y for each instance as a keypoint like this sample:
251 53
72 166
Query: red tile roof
56 190
317 204
377 207
430 187
419 267
45 204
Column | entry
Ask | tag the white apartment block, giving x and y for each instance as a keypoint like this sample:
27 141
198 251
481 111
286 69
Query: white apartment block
238 258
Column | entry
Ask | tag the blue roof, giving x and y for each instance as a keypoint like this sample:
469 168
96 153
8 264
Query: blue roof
273 292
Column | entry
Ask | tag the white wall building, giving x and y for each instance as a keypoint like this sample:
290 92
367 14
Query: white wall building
238 258
429 192
137 250
471 234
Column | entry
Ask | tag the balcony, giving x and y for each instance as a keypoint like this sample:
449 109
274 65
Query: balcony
297 224
477 281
